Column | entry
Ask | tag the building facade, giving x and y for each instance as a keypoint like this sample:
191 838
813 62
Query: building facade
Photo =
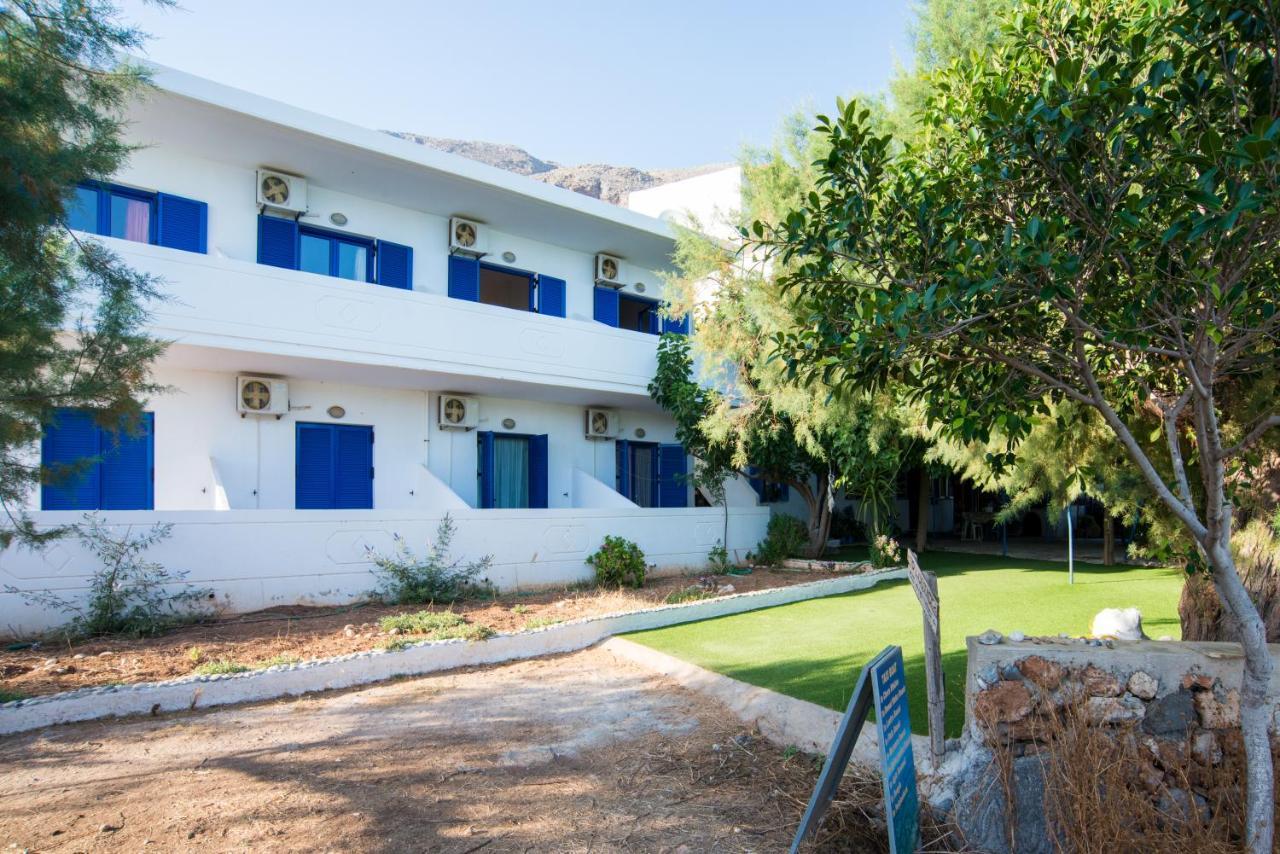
366 335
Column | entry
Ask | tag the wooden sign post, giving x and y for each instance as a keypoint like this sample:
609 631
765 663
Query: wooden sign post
925 585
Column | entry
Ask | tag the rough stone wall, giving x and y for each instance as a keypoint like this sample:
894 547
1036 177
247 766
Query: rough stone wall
1178 703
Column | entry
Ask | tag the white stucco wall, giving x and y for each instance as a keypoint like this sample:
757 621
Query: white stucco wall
253 559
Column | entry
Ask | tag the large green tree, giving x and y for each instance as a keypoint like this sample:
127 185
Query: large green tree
71 314
1091 215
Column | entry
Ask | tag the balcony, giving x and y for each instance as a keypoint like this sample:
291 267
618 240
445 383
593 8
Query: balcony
288 319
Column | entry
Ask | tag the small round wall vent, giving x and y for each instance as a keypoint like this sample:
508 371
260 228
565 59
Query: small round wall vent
639 432
336 412
509 423
338 218
639 287
509 257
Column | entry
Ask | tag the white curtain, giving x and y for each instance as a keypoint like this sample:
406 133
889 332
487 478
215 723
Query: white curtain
510 471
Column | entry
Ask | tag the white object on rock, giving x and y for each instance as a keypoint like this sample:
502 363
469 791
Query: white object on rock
1017 637
1118 624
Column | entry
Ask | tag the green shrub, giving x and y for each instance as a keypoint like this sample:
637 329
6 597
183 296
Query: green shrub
541 622
718 558
438 625
692 593
127 594
220 666
7 696
277 661
785 537
408 578
618 563
885 551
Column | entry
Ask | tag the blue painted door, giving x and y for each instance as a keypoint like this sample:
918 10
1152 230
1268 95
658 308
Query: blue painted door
334 467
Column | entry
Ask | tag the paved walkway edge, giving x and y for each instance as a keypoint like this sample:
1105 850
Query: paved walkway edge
324 674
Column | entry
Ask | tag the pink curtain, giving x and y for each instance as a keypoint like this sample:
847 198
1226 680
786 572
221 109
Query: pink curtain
137 223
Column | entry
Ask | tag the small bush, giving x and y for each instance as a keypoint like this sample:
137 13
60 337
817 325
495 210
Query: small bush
397 644
11 696
718 558
127 594
691 593
441 625
618 563
195 655
785 537
277 661
221 666
519 609
408 578
885 551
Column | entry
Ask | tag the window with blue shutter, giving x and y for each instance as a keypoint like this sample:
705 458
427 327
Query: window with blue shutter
181 223
637 471
142 216
677 325
622 467
395 265
334 467
464 278
606 306
90 468
277 242
551 296
673 468
512 471
770 492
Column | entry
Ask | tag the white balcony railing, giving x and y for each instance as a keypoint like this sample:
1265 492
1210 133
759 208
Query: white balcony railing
227 304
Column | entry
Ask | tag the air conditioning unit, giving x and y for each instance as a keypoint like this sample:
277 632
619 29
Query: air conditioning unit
459 413
281 191
467 237
609 271
601 424
262 396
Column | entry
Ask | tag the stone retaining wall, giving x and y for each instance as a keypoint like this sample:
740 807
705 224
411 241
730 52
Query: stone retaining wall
1179 701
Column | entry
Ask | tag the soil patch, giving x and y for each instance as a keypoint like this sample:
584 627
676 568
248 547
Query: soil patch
569 753
299 633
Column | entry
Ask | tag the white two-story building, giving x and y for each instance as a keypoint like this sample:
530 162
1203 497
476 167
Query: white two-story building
367 334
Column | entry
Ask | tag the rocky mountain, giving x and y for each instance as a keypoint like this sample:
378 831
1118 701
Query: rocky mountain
599 180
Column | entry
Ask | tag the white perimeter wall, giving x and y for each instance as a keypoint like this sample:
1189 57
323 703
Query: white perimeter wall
257 559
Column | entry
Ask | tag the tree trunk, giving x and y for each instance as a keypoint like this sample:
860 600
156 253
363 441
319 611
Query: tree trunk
1108 540
922 509
819 519
1255 713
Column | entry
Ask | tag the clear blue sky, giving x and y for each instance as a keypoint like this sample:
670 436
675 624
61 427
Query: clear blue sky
650 84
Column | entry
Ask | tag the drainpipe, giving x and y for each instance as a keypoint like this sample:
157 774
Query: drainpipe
1071 549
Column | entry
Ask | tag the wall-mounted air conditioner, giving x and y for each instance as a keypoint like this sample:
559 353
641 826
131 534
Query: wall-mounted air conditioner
609 271
262 396
282 191
601 424
467 237
458 412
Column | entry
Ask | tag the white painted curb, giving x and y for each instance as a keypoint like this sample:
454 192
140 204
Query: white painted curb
360 668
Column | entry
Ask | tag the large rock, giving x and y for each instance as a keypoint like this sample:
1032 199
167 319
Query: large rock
981 808
1218 714
1142 685
1100 683
1115 710
1041 672
1170 715
1003 703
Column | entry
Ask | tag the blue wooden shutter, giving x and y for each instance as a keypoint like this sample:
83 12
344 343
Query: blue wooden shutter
181 223
487 462
313 482
464 278
395 265
538 471
277 242
622 467
673 466
606 306
680 325
128 467
655 321
551 296
69 439
353 467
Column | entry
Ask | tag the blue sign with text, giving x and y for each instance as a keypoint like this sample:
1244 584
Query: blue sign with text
897 762
881 685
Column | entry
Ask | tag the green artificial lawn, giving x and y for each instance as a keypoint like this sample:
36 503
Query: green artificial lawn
814 650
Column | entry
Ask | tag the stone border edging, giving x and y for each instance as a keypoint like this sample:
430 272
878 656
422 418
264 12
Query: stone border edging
344 671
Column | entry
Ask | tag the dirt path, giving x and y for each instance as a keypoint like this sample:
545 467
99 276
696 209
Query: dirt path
300 633
574 753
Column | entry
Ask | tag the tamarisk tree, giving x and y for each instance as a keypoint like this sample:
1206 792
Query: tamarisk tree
1090 214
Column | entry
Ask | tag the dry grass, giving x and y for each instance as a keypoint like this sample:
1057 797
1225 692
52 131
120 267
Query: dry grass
1115 788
